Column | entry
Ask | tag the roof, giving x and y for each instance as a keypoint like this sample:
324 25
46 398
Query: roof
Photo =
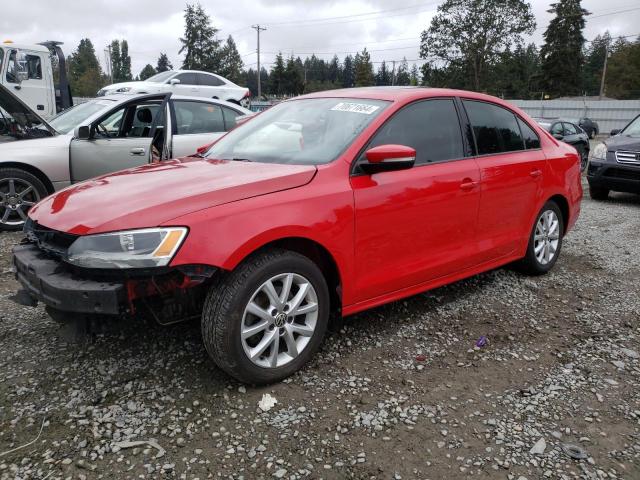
23 46
122 97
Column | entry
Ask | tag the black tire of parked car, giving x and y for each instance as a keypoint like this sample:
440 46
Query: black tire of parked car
26 178
530 264
225 304
598 193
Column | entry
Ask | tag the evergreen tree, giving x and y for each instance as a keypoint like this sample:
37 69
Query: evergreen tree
116 61
469 35
125 72
516 75
294 83
402 74
146 72
561 53
231 67
85 74
333 70
594 63
623 70
383 77
363 69
163 64
414 76
200 44
277 80
348 72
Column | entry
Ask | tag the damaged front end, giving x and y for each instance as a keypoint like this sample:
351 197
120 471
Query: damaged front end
129 275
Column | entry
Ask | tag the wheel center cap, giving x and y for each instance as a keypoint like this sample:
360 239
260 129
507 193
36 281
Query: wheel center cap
280 319
12 201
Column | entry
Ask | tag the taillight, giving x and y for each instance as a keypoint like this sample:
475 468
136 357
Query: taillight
203 149
247 94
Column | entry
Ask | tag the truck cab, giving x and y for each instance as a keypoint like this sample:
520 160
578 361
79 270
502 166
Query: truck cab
26 70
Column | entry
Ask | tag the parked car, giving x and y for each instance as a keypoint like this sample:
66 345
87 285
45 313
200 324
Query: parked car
94 138
366 196
589 126
615 163
192 83
569 133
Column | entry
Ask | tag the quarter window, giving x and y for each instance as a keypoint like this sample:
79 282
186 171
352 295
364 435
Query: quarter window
229 117
209 80
495 128
198 117
431 127
531 139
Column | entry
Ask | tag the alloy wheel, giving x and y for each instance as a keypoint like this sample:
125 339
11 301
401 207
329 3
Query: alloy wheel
17 196
279 320
547 237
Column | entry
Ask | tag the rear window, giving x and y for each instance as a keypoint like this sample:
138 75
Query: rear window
495 128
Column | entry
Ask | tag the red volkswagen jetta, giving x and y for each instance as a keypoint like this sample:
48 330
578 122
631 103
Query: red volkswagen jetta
333 202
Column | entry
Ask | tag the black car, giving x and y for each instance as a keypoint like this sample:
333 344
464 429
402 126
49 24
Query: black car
569 133
615 163
589 126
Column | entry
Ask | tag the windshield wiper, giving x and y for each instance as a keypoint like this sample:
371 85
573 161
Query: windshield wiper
235 159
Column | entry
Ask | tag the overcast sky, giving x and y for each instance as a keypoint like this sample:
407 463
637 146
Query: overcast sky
300 27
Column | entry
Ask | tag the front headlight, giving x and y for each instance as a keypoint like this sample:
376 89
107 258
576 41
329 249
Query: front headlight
599 152
151 247
123 89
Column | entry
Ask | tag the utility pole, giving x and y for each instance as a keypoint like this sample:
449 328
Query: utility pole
258 29
604 70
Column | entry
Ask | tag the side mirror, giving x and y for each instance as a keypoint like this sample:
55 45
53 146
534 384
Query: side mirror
389 157
558 136
615 131
174 81
82 132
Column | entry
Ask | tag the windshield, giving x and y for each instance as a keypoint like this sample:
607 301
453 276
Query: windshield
18 122
311 131
66 121
633 129
160 77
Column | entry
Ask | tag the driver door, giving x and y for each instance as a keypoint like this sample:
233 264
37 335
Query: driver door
123 138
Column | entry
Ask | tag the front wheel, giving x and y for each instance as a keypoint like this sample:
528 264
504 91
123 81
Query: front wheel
19 191
267 318
545 241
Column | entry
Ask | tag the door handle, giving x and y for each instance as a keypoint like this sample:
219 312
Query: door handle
536 173
17 87
468 184
137 151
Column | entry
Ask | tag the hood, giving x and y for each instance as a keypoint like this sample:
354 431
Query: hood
132 85
151 195
623 142
18 121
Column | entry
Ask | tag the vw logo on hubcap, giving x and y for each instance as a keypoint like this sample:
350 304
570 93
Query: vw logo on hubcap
280 319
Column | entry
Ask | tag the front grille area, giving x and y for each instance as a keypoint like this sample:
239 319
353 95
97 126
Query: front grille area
629 157
50 241
623 174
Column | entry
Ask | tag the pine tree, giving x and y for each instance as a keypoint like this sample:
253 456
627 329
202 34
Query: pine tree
125 73
414 75
200 45
348 72
594 63
363 69
146 72
116 61
85 74
402 74
277 78
163 64
623 70
383 77
562 57
294 83
231 67
333 70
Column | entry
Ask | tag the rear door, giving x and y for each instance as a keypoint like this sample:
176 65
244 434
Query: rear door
188 85
571 134
211 86
124 137
418 224
512 166
197 123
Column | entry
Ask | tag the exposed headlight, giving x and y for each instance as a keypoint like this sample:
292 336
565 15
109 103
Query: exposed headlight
123 89
599 152
151 247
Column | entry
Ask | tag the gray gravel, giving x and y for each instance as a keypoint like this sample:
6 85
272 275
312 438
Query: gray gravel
398 392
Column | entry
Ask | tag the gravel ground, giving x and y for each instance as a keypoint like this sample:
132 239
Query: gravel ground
401 391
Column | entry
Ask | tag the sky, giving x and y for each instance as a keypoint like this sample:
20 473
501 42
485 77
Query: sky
389 29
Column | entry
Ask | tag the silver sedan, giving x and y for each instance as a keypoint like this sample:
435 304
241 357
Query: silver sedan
97 137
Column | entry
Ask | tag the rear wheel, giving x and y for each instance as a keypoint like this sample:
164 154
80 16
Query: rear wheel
545 241
19 191
266 318
598 193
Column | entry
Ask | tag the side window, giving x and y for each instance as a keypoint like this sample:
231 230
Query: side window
531 139
430 126
556 129
229 118
33 66
142 121
109 126
209 80
570 129
495 128
187 79
29 65
198 117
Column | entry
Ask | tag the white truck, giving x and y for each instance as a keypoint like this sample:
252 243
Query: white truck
27 71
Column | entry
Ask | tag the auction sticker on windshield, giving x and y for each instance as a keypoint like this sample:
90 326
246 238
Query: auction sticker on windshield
356 108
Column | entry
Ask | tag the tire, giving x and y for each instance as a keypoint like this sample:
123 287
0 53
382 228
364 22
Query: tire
592 134
598 193
27 190
225 316
584 157
532 264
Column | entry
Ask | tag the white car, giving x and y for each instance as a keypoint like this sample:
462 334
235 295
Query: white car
184 82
